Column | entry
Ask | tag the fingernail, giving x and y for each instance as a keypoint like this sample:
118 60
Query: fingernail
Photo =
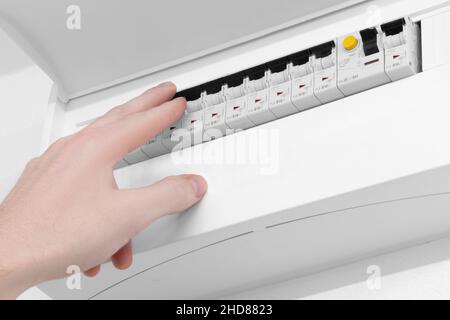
166 84
199 185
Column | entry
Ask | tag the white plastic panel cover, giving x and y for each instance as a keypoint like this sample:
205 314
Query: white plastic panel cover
121 40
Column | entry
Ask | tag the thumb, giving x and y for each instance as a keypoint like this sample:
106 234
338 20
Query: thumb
171 195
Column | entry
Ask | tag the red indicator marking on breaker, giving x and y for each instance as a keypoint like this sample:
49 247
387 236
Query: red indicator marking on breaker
371 62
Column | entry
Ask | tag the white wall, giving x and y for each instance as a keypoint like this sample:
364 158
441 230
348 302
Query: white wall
24 93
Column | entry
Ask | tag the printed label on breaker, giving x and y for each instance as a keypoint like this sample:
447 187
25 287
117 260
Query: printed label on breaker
280 100
258 107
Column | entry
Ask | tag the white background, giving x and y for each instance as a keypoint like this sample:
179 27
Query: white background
420 272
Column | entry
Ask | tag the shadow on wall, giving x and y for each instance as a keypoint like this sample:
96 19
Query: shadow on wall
12 58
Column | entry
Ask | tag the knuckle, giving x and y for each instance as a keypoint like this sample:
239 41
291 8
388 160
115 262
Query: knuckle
118 111
60 142
85 140
57 145
32 163
85 136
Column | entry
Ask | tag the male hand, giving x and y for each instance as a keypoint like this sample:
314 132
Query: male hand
66 208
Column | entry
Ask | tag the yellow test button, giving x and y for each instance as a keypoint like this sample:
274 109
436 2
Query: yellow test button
350 43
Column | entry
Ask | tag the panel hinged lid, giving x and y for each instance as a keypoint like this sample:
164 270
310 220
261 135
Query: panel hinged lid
122 40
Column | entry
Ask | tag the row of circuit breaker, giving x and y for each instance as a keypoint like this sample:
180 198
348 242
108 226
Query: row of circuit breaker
291 84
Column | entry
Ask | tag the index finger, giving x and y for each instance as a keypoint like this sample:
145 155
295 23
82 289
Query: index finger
149 99
134 130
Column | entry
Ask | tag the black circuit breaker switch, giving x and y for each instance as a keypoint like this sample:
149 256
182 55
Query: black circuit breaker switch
394 27
191 94
193 98
235 87
278 65
370 38
278 71
300 58
324 50
214 86
256 78
235 80
257 72
214 92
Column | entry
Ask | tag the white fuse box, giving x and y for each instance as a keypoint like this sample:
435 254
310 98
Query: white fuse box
337 169
361 61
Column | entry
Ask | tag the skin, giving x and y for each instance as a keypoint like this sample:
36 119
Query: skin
51 218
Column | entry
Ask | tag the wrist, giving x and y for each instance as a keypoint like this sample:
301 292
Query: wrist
17 266
17 274
11 284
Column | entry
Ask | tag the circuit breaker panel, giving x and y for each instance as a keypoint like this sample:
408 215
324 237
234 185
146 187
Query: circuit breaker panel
294 83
